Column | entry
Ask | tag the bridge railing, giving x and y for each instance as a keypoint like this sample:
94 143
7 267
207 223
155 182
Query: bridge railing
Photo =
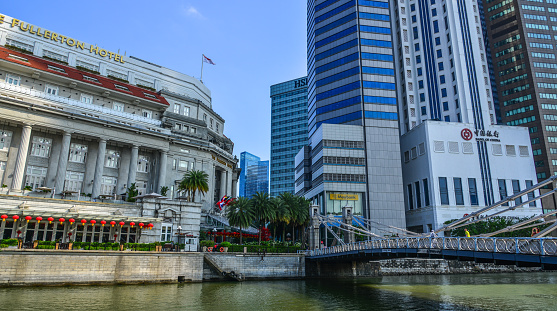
526 246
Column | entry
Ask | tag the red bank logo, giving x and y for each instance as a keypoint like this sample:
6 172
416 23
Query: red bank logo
466 134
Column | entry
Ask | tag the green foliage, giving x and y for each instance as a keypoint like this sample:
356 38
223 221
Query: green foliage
494 224
240 214
4 245
4 186
164 190
9 242
132 192
225 244
194 181
207 243
27 188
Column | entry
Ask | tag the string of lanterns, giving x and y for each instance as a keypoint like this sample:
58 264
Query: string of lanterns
83 221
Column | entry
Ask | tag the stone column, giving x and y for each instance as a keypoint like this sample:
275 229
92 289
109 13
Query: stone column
63 162
133 166
234 188
21 160
162 170
99 167
222 183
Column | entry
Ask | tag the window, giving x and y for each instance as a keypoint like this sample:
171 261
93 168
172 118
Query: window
183 164
186 111
176 108
205 117
217 127
118 106
166 233
458 191
56 56
516 189
426 192
88 66
52 90
5 140
147 113
36 176
74 181
143 164
141 186
410 197
14 80
112 159
108 185
87 99
529 184
78 153
444 190
2 169
472 188
503 190
418 194
41 147
211 123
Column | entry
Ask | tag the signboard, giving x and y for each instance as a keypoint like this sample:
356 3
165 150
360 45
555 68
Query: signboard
56 37
481 135
343 196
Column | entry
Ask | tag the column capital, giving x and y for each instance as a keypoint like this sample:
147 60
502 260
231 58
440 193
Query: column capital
102 140
135 147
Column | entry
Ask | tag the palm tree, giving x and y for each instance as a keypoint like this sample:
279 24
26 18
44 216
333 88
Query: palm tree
262 209
240 213
280 213
300 214
194 181
290 204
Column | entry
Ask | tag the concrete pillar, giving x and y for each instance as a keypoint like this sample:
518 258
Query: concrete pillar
133 166
162 170
222 183
99 167
347 219
21 160
234 188
314 227
63 162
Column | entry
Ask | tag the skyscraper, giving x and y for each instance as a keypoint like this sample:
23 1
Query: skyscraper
289 132
254 176
351 88
522 41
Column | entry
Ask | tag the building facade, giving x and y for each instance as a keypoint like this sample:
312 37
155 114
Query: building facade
444 71
289 132
86 123
254 175
522 42
351 81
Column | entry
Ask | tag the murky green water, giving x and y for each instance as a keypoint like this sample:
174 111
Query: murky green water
534 291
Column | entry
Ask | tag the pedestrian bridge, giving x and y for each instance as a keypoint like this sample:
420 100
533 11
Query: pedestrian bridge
519 251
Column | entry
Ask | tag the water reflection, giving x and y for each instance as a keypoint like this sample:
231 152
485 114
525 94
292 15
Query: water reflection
534 291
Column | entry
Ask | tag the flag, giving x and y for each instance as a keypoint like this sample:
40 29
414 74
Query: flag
207 60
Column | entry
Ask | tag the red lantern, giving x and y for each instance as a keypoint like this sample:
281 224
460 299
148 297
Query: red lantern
50 219
39 219
113 223
150 226
141 225
15 217
4 217
83 222
132 224
121 223
103 222
93 222
28 218
61 220
71 220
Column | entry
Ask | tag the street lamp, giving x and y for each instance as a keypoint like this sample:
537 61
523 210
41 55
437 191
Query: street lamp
215 234
179 236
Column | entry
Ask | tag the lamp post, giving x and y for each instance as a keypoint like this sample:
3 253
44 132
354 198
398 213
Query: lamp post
179 236
215 234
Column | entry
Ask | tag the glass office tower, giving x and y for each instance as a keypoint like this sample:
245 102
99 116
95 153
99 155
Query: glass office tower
351 81
289 131
254 176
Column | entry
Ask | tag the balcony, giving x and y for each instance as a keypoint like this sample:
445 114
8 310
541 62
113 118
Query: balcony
78 107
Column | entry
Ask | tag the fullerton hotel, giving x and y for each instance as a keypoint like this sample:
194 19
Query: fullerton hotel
83 124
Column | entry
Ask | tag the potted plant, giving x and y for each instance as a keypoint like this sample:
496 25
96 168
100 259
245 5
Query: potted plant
27 188
4 186
206 244
224 245
164 190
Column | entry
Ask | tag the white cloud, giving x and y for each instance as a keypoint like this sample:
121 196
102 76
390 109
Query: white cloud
191 11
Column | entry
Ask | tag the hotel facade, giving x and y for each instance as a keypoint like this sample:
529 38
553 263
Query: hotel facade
85 123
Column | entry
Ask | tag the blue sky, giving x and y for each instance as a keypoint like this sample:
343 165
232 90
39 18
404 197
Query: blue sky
254 43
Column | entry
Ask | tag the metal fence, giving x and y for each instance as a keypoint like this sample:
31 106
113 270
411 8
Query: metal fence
525 246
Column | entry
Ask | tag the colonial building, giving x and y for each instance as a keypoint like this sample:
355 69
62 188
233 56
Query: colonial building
83 123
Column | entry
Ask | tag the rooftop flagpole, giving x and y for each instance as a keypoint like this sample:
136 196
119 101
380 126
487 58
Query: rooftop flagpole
202 61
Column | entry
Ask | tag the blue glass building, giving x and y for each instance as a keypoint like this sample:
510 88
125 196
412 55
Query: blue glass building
352 89
289 132
254 176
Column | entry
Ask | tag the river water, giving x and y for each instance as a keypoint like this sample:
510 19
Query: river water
524 291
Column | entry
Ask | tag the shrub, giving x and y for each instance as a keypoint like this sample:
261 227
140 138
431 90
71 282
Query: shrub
4 245
9 242
207 243
225 244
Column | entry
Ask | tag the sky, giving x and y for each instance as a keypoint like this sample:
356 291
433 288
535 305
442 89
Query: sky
254 44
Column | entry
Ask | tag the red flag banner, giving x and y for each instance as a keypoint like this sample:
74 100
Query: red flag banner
207 60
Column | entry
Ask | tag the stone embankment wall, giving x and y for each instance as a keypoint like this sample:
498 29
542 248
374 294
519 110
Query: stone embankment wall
408 266
35 267
253 266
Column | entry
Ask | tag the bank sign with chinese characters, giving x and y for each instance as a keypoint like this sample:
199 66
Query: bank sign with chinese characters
481 135
56 37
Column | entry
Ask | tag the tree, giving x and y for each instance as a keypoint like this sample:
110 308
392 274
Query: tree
240 213
164 190
301 218
280 213
262 209
132 192
194 181
290 204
